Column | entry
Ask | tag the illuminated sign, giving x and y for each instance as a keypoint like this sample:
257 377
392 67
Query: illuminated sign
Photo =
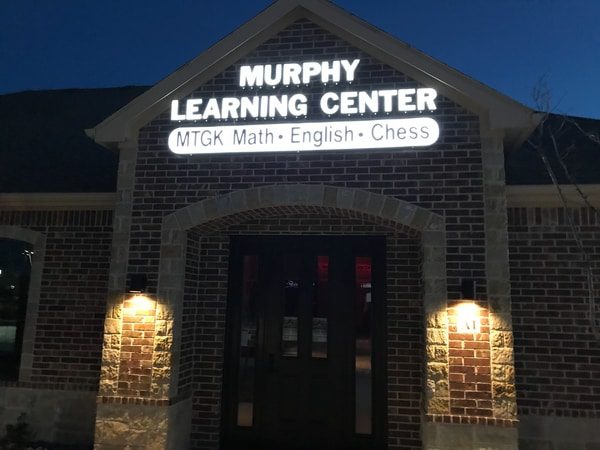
356 132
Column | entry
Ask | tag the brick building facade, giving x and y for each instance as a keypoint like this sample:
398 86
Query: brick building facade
397 297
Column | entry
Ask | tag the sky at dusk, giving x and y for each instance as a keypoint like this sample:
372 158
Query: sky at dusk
507 44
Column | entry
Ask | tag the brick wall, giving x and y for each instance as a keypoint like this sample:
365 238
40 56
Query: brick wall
137 346
556 354
470 368
69 329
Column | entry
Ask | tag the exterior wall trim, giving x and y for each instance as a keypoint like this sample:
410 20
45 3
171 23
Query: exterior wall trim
517 196
546 196
94 201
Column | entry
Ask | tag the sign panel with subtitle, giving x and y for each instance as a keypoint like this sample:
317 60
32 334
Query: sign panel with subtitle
281 122
308 136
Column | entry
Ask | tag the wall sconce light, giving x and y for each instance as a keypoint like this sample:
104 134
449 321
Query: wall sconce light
467 289
138 282
468 317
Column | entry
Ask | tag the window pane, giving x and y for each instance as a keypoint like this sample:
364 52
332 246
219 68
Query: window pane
245 412
320 308
363 358
291 298
15 269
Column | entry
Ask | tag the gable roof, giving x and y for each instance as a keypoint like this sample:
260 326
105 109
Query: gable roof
498 110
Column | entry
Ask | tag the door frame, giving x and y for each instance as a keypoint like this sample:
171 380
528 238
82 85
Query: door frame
373 245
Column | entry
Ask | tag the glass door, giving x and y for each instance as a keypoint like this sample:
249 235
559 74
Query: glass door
302 346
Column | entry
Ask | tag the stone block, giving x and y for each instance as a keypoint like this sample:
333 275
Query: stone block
184 219
132 426
551 432
164 311
298 194
503 390
172 251
163 343
164 327
438 405
315 194
361 200
180 417
54 416
501 320
390 208
434 253
345 198
375 204
437 372
437 319
161 359
251 198
210 208
330 197
441 436
437 353
503 373
505 408
109 372
110 356
112 326
405 213
238 201
436 225
437 336
420 219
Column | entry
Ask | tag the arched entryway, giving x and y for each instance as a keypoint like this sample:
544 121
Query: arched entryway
190 317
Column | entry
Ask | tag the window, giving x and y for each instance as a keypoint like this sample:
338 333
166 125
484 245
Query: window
15 272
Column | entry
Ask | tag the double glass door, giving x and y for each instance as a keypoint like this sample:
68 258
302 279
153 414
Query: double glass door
304 361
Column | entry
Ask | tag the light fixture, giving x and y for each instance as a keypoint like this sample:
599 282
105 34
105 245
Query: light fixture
468 288
138 282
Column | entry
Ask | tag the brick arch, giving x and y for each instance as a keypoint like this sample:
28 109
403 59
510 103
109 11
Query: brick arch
38 241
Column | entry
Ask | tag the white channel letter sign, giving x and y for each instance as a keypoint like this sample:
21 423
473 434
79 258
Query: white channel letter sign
293 132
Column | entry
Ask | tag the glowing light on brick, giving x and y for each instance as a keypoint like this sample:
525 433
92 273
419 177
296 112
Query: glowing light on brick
140 303
468 318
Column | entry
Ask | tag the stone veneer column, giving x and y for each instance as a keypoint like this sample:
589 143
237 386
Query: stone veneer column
135 405
498 280
500 432
435 295
117 279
